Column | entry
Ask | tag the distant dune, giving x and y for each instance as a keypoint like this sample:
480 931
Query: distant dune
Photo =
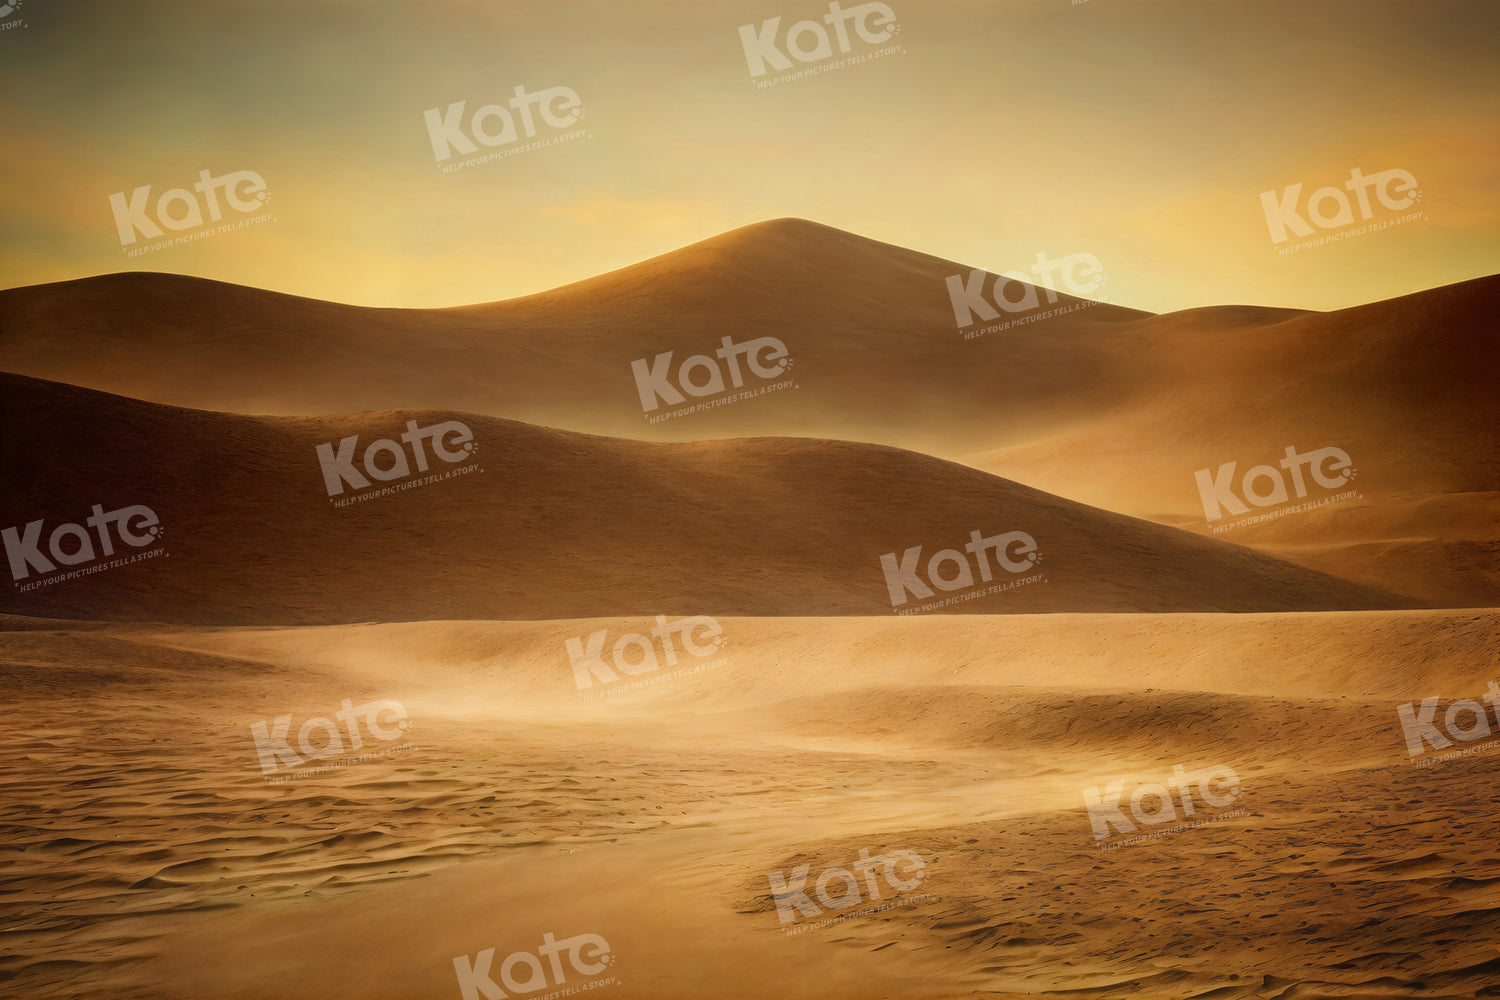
1406 387
1108 405
1112 407
555 524
869 326
1442 550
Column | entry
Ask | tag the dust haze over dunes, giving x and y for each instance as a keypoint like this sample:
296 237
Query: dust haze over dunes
861 319
552 524
1346 871
878 357
1059 402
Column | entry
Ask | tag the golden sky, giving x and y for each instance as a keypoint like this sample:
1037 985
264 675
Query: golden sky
1140 131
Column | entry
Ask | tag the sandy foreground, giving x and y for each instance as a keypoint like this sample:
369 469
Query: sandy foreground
146 855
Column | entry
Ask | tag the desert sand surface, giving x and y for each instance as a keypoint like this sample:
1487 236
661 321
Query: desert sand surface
1060 400
146 855
544 523
615 678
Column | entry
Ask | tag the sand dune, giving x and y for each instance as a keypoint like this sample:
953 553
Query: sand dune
1405 385
654 818
1108 406
564 753
551 524
1441 550
1404 388
869 326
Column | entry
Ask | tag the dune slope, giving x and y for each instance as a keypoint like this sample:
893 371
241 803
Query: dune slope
541 523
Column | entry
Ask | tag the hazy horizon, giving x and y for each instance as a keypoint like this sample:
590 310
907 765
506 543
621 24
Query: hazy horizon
1141 133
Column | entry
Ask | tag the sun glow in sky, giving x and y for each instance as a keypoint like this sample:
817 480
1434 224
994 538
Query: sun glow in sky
1141 131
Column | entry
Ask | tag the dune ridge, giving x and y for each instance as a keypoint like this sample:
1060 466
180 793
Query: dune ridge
552 524
1060 402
